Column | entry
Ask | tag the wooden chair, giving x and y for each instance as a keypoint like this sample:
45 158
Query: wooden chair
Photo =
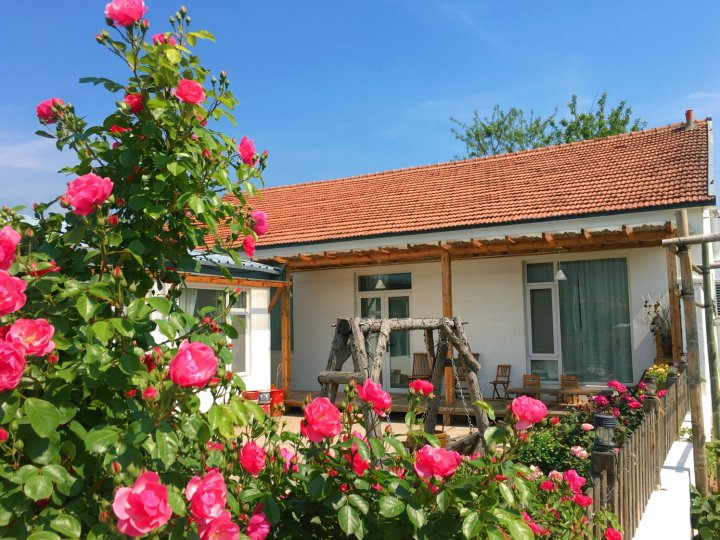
569 381
502 378
421 367
532 381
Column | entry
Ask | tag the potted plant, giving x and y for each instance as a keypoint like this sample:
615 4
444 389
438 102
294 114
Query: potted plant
657 316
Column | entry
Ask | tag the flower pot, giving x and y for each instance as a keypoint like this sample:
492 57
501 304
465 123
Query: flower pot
277 401
251 395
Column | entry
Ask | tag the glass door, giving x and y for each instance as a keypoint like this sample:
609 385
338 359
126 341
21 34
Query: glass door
397 364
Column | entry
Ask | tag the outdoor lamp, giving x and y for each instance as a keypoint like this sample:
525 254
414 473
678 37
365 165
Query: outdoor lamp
605 425
651 384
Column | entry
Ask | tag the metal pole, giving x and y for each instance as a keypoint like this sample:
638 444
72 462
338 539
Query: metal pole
693 363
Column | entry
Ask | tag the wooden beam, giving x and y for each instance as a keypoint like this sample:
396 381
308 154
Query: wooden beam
234 282
674 305
285 332
446 272
693 362
274 299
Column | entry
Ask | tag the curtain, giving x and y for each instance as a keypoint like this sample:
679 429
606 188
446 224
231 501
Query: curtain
187 300
595 320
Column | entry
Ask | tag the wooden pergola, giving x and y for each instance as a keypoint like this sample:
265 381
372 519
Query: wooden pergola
578 241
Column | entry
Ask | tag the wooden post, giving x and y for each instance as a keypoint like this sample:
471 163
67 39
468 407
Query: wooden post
693 362
285 328
447 312
712 352
674 303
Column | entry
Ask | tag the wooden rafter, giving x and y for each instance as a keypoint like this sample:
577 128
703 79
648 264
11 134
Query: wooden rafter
546 242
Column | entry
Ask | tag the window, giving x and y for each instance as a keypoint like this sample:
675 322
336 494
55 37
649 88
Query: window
194 299
579 325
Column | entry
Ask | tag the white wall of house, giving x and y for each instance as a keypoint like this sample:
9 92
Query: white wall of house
487 293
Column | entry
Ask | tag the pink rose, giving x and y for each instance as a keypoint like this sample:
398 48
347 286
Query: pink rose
87 192
547 485
142 507
125 12
618 386
246 149
160 39
372 393
422 387
220 528
135 102
579 452
3 435
528 410
9 239
436 462
12 293
249 245
150 393
252 458
322 419
194 365
12 365
574 480
45 110
207 496
661 393
190 91
612 534
289 460
555 476
260 224
33 336
587 427
582 500
635 405
258 527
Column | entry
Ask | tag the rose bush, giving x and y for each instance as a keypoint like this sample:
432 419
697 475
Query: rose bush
101 430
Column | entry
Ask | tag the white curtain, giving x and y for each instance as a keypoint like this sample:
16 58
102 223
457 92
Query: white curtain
187 300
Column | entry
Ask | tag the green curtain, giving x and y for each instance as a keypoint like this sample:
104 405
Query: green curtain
595 320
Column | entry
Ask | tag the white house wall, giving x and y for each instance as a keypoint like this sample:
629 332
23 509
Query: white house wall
488 293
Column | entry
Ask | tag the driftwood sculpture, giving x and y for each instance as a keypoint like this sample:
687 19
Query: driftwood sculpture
351 336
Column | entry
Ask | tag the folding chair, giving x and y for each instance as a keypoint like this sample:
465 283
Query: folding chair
421 367
502 378
569 381
532 381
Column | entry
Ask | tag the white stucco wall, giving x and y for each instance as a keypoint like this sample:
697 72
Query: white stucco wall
487 293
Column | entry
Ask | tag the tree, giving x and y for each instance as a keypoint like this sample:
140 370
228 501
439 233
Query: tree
511 130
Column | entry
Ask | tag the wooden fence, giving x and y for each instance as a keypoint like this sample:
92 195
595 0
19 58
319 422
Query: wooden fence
640 460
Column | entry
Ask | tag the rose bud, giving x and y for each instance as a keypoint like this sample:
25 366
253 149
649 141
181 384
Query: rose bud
112 220
3 435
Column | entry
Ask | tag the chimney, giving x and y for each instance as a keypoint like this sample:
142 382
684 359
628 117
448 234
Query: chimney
689 122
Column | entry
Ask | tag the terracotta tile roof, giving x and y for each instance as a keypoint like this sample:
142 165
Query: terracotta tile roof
659 167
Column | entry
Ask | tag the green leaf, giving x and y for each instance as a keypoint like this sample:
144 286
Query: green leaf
349 520
519 530
45 134
44 417
202 34
506 493
195 204
67 525
177 503
86 307
112 86
173 55
175 168
359 502
167 445
487 408
103 331
443 499
417 515
471 525
123 326
43 535
377 447
100 438
163 305
38 488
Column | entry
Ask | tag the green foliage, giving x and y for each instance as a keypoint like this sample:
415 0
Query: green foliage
705 515
513 130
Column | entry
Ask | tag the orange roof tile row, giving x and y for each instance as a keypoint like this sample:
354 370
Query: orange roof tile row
659 167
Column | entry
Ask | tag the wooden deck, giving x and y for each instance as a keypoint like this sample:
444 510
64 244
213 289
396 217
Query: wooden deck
297 398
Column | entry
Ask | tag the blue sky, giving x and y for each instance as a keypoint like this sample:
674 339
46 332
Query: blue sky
334 88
